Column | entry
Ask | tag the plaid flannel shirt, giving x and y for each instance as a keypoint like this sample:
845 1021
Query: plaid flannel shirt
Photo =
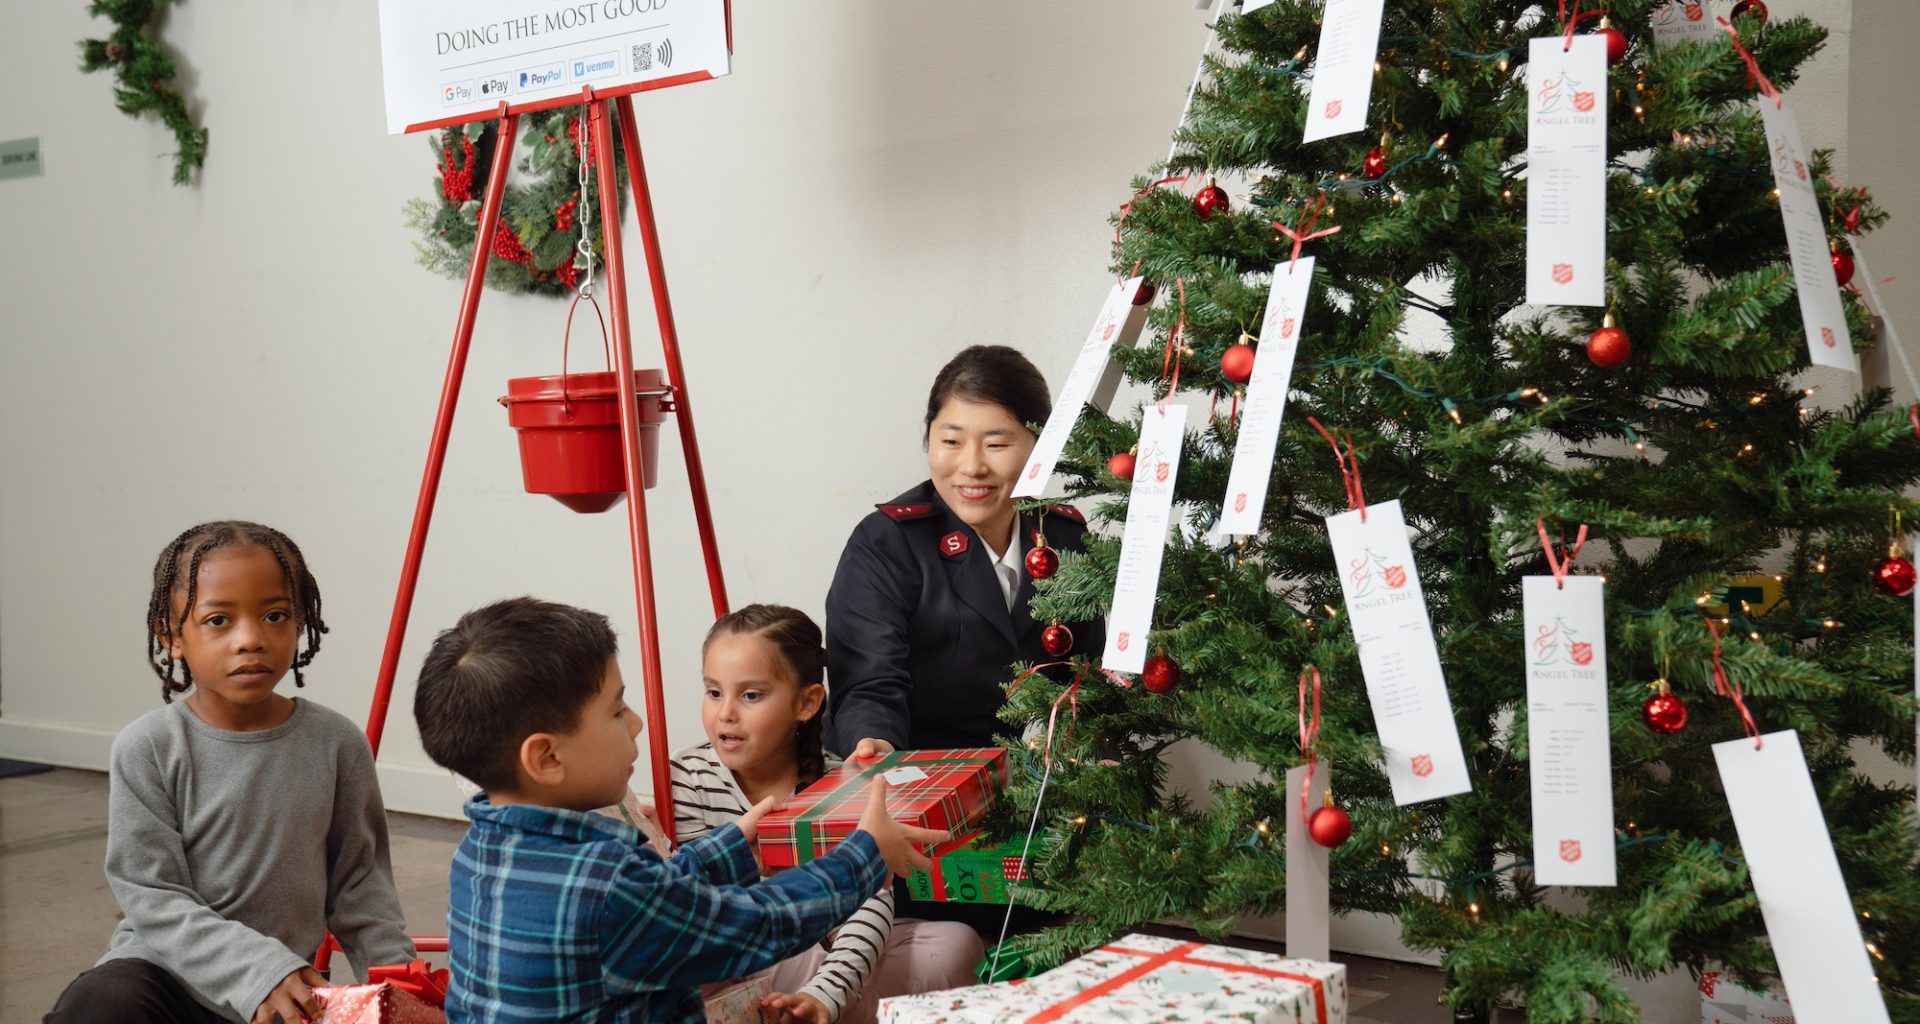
557 915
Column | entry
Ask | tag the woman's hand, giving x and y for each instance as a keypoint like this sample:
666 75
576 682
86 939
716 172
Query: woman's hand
795 1008
899 844
871 748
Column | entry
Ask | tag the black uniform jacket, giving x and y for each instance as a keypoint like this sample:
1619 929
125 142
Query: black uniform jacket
919 638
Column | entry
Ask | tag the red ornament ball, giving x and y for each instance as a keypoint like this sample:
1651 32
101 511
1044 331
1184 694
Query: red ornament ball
1665 713
1056 640
1330 826
1609 348
1842 267
1042 563
1144 296
1210 201
1236 364
1121 465
1375 166
1160 674
1616 44
1894 576
1757 8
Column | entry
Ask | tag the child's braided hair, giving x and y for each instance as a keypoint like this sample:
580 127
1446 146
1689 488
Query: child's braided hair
178 568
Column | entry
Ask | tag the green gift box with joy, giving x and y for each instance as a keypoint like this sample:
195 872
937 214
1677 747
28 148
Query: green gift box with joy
973 869
949 790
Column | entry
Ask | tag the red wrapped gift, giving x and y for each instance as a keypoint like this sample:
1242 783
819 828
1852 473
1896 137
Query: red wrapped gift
943 789
373 1004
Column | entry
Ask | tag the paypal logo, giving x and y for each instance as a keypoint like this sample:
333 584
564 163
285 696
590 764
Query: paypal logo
542 77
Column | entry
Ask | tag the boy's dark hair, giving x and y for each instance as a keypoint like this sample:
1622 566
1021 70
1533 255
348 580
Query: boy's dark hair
798 640
503 673
178 569
994 374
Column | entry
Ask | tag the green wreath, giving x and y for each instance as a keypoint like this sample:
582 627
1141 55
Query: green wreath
533 248
146 75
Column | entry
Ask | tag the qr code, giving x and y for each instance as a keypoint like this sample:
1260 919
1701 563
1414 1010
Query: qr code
642 56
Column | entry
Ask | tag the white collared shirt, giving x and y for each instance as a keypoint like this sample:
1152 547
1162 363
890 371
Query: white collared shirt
1007 568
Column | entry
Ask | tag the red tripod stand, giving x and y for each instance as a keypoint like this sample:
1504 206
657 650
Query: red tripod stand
601 113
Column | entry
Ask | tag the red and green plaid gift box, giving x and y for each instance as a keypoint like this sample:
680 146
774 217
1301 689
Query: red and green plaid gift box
943 789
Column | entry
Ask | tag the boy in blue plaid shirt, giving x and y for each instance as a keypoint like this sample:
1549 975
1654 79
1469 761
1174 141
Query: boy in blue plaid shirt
557 913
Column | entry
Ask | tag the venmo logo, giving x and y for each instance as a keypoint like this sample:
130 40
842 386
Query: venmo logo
596 66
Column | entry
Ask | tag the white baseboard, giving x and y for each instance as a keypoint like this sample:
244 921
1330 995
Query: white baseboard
56 743
420 789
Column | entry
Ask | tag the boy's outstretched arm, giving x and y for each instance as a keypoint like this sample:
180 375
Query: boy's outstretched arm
664 928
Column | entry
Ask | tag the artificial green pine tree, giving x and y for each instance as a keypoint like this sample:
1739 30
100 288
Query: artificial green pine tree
1698 461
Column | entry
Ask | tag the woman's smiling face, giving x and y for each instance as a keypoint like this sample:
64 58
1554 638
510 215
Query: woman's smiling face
975 451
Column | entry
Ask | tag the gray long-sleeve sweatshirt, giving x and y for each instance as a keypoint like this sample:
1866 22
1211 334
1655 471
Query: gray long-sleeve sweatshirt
233 853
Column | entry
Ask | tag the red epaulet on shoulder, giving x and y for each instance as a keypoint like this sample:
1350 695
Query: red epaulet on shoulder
1067 512
902 513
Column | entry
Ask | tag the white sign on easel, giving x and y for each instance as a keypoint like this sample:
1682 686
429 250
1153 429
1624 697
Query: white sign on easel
449 61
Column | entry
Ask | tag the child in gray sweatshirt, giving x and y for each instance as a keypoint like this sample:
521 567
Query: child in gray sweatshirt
243 824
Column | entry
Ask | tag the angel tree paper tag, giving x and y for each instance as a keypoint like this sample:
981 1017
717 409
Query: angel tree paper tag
1398 656
1569 759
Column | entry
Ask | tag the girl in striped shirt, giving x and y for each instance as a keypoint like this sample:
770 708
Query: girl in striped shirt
764 670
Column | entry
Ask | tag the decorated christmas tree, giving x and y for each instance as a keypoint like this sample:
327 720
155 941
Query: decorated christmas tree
1741 524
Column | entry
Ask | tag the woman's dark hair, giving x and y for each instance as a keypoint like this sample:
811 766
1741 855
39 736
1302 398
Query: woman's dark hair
798 640
994 374
178 569
502 673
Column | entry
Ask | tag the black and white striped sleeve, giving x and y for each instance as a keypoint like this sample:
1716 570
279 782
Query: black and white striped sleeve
702 800
856 949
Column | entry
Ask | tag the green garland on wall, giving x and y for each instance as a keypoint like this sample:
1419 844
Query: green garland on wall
145 74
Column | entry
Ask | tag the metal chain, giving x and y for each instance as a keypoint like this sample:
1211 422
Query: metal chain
585 245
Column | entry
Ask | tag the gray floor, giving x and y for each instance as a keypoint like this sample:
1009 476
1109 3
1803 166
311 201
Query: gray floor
56 911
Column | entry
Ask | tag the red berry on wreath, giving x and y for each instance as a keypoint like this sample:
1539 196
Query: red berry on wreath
1665 713
1842 265
1144 296
1757 8
1609 347
1042 563
1056 640
1160 674
1330 826
1210 200
1236 364
1121 465
1894 576
1616 42
1375 166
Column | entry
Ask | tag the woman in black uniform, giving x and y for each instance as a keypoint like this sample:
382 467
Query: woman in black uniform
929 606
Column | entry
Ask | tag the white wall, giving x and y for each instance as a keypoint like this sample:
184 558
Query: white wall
880 183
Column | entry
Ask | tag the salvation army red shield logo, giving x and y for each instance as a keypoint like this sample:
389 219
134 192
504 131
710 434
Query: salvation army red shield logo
1395 576
1695 12
1333 109
1581 653
1240 502
1107 335
954 543
1422 765
1800 170
1827 338
1034 471
1123 640
1563 273
1286 327
1160 472
1583 101
1570 850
